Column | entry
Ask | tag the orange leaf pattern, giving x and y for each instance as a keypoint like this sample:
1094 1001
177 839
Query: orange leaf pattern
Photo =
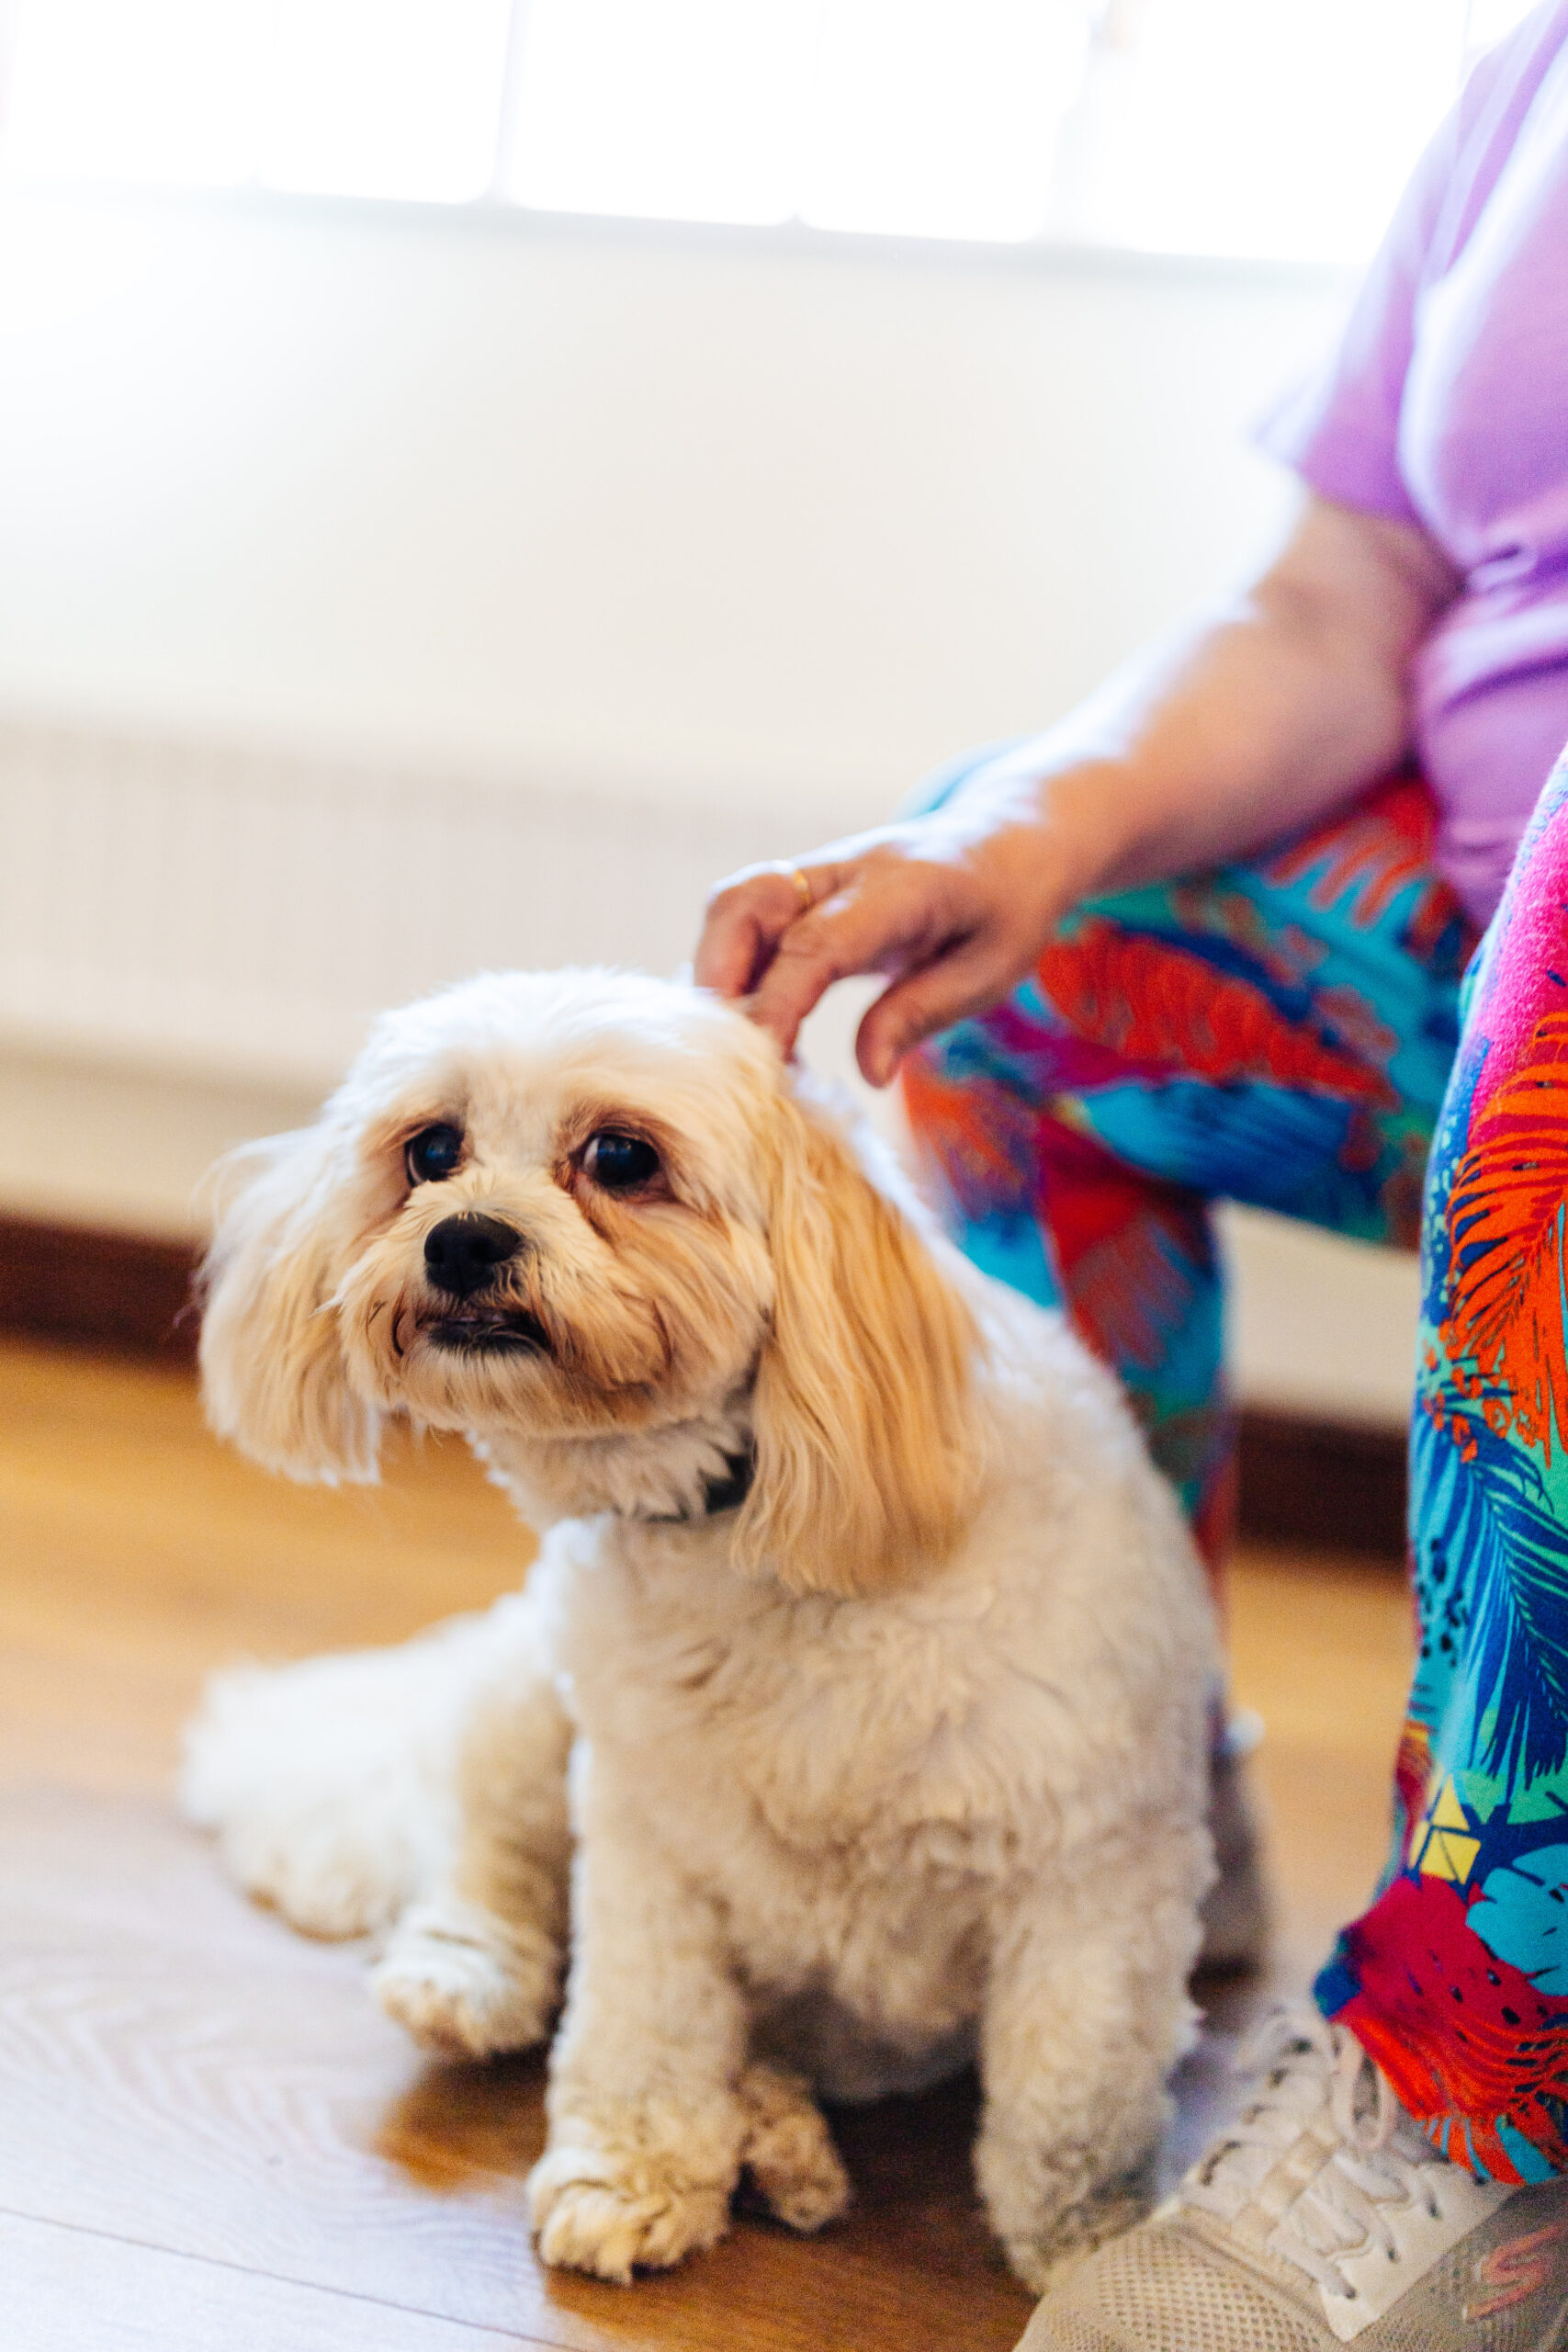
1506 1220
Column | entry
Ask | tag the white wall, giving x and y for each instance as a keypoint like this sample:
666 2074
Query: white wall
760 524
722 515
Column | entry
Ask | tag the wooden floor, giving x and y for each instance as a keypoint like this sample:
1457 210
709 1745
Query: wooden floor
207 2136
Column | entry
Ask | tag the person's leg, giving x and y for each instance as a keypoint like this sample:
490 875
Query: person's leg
1279 1032
1456 1980
1400 2177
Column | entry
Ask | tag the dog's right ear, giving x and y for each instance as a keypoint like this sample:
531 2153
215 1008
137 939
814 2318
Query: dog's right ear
274 1377
864 1420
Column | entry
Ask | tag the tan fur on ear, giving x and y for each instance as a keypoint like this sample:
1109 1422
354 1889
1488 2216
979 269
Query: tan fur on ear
864 1431
273 1374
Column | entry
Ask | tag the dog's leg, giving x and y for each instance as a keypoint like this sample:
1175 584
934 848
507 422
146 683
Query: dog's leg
474 1966
1086 2015
646 2125
789 2149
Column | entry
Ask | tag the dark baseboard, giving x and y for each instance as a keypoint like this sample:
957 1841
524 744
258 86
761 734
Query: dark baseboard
1328 1485
109 1290
1305 1482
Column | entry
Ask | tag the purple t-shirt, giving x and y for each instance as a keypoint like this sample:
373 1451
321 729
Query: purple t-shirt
1445 405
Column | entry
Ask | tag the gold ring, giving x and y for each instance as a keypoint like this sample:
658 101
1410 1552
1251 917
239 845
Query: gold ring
802 881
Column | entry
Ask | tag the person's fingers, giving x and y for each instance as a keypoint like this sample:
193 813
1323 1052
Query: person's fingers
882 918
747 917
967 980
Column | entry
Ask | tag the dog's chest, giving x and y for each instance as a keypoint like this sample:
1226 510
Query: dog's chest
853 1741
826 1792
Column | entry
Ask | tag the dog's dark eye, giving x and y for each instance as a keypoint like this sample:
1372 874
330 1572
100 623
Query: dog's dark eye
432 1155
620 1162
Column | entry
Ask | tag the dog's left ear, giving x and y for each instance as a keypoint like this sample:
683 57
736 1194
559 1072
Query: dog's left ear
272 1374
863 1422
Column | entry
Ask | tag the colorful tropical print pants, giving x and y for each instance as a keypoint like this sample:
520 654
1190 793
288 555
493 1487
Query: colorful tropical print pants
1292 1033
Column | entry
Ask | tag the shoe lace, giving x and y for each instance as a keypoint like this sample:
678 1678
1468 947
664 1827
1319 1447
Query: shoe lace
1316 2078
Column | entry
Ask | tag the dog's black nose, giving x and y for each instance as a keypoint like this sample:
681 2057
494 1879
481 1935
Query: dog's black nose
462 1252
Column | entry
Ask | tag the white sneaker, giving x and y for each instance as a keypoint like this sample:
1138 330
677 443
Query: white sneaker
1323 2217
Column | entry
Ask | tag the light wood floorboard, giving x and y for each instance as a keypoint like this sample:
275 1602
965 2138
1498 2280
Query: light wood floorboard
71 2289
207 2135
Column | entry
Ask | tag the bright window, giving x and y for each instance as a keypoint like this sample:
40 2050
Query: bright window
682 109
383 98
159 90
939 118
1262 127
1278 128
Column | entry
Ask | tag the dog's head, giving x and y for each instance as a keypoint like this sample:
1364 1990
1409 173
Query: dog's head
589 1206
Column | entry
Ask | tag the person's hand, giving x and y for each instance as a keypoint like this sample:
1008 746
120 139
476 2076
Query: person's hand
953 908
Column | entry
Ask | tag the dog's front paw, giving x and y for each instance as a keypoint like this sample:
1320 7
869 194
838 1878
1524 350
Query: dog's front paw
788 2149
465 1984
613 2212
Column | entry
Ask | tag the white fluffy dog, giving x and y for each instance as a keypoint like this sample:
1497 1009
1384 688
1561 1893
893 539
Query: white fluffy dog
878 1653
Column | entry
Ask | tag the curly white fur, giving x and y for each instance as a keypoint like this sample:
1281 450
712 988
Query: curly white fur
900 1762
